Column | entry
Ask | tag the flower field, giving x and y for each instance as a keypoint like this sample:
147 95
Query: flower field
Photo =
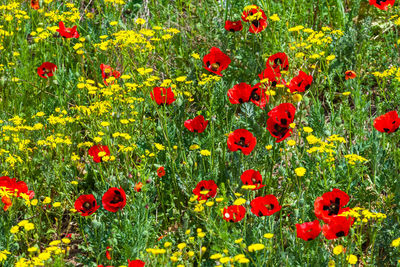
199 133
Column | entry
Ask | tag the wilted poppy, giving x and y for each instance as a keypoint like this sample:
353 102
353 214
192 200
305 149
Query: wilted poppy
35 4
239 93
233 26
330 204
196 125
98 152
86 205
205 189
136 263
382 4
242 140
387 123
252 177
107 72
256 17
234 213
162 95
160 172
216 61
67 32
47 68
138 187
7 202
108 254
301 82
278 62
12 186
350 74
308 230
114 199
338 226
265 206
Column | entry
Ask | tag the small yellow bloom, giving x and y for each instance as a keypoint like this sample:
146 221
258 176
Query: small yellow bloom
47 200
291 142
338 249
216 256
352 259
268 147
307 129
29 226
239 201
396 242
205 152
66 240
14 229
268 235
237 241
181 246
300 171
255 247
167 244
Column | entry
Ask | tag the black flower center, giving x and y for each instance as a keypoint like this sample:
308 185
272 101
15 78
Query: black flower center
256 23
88 205
117 197
242 142
340 234
279 131
255 96
213 66
333 208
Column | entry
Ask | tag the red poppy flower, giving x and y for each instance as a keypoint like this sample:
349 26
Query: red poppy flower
161 171
196 125
252 177
234 213
382 4
242 140
265 206
257 19
273 76
350 74
277 131
283 114
11 185
330 204
216 61
162 95
114 199
67 32
239 93
233 26
301 82
136 263
107 72
47 68
278 62
338 226
387 123
205 189
7 202
97 152
258 95
138 187
280 118
35 4
108 255
308 230
86 205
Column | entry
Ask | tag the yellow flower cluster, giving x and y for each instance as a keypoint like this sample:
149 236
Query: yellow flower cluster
363 215
353 158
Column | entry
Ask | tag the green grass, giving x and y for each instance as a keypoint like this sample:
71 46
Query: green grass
164 208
